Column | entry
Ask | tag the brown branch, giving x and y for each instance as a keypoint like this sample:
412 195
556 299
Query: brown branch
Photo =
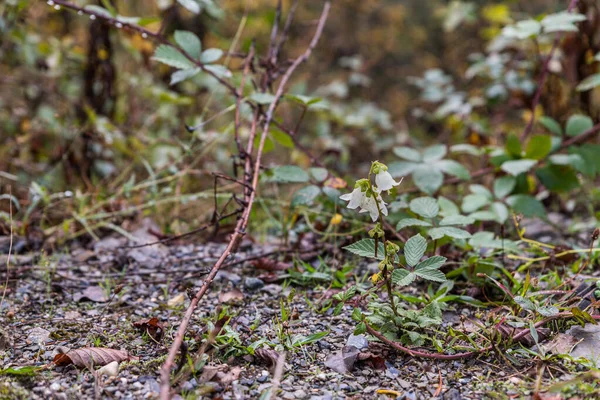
543 77
243 221
161 39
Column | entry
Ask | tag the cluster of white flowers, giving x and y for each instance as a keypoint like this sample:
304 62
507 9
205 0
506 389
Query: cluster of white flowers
367 196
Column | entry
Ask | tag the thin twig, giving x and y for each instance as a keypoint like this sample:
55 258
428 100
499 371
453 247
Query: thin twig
10 246
240 230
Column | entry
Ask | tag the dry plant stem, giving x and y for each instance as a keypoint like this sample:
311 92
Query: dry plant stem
10 246
544 76
240 230
238 99
277 374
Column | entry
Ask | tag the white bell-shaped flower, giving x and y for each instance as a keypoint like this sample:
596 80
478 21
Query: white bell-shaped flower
384 180
355 198
370 205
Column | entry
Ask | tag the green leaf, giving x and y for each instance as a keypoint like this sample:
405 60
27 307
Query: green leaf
522 29
289 173
527 205
408 153
503 186
516 167
456 233
402 168
431 274
558 178
261 98
366 248
484 216
474 202
189 42
20 371
434 262
428 178
548 311
573 160
481 190
320 174
401 277
551 124
306 195
456 220
434 153
524 303
403 223
513 145
589 83
209 56
301 340
447 207
282 138
426 207
538 147
501 211
414 249
578 124
591 162
170 56
183 74
466 148
453 168
218 70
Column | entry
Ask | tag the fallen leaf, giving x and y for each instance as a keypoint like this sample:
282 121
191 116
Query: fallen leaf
269 356
87 357
222 374
93 293
233 296
336 183
376 361
342 361
151 326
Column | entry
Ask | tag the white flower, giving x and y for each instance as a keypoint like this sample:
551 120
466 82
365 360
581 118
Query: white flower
384 180
356 198
370 205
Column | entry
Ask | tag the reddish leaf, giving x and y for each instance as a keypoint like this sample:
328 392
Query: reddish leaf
88 357
270 265
152 326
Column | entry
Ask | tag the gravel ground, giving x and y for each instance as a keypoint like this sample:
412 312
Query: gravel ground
68 300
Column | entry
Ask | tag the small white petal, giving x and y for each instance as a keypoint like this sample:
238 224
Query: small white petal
384 181
355 198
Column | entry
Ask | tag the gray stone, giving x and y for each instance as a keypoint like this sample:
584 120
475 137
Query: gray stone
358 341
253 283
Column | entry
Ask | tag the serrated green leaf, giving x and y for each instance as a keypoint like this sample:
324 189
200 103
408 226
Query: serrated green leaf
209 56
426 207
447 207
501 211
524 303
434 262
428 178
183 74
401 277
474 202
456 233
434 153
366 248
456 220
414 249
189 42
320 174
431 274
170 56
402 168
411 222
408 153
306 195
218 70
453 168
516 167
578 124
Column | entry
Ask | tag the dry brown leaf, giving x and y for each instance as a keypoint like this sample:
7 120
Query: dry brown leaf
93 293
336 183
269 356
87 357
233 296
270 264
152 326
223 374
